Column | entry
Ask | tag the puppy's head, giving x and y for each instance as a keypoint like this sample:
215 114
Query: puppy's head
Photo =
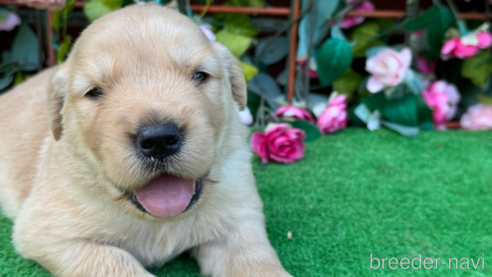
146 106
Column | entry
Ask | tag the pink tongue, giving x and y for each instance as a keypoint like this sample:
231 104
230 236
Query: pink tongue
166 195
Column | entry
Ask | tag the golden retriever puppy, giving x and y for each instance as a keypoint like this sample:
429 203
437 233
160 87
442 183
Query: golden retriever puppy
138 157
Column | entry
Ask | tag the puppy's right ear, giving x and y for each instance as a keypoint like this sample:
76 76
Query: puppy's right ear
235 74
56 92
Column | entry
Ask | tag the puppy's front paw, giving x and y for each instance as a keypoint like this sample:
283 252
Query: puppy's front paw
248 260
82 259
261 269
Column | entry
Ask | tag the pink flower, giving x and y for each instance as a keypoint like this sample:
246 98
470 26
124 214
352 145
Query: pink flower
44 4
334 117
418 33
280 142
484 39
245 117
313 67
426 66
350 21
295 113
10 22
415 40
466 46
208 33
477 117
388 68
443 99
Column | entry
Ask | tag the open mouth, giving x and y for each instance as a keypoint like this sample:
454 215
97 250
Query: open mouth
167 195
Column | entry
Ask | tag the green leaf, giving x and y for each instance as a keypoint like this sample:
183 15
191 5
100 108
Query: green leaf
60 17
7 70
403 130
239 24
348 83
487 90
362 88
249 71
266 86
315 99
324 9
477 68
97 8
424 113
362 112
374 101
60 57
337 33
55 21
19 78
237 44
9 66
6 79
69 4
276 50
427 126
333 58
254 101
385 23
353 118
484 99
402 110
413 81
4 13
363 36
25 49
256 3
423 20
469 93
443 20
374 50
246 3
312 133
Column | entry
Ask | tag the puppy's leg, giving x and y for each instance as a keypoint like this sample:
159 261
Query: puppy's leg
244 252
85 258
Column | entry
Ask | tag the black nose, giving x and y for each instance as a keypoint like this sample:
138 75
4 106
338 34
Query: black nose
159 141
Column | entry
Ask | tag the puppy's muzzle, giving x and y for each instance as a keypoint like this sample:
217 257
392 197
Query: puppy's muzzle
159 141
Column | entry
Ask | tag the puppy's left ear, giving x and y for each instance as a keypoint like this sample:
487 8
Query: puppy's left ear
56 92
235 74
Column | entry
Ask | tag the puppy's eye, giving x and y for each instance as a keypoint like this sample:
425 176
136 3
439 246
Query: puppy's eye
94 93
200 77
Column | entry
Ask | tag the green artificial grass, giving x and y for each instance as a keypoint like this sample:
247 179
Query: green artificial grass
358 192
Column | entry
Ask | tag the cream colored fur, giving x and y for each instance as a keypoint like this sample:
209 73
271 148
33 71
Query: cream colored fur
66 170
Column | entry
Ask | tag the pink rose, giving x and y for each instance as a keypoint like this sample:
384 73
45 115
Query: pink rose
388 68
477 117
10 22
295 113
350 21
334 117
443 99
280 142
208 33
484 39
426 66
44 4
466 46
